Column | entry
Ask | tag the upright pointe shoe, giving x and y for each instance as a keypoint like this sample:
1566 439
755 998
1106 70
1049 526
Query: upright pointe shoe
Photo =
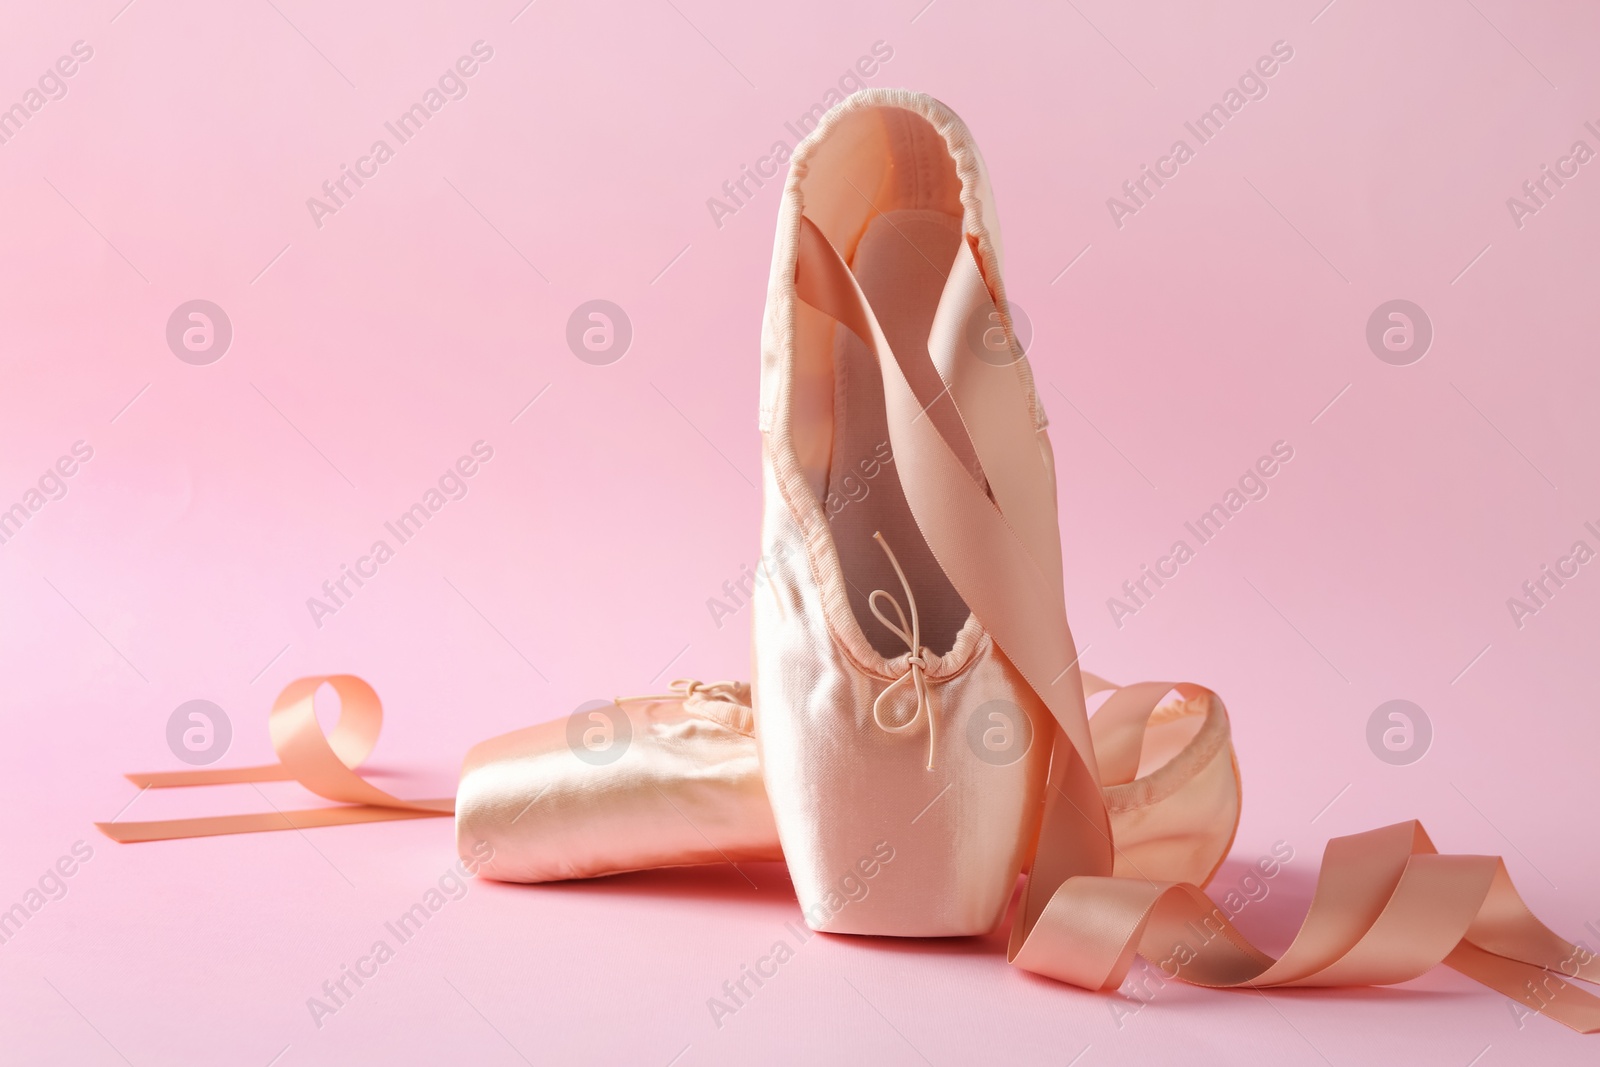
910 516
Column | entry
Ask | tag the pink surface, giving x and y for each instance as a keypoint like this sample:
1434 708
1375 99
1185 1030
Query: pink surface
1227 313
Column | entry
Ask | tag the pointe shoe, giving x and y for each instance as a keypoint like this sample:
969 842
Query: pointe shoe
891 717
643 782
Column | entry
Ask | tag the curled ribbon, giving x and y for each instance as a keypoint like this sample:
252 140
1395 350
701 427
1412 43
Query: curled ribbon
325 764
1388 907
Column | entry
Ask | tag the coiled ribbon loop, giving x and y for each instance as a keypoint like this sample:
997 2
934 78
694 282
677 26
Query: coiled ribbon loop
324 764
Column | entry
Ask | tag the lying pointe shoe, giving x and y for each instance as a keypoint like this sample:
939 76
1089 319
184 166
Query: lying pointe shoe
644 782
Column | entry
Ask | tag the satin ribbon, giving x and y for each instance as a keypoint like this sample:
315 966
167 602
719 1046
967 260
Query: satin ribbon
324 764
1388 906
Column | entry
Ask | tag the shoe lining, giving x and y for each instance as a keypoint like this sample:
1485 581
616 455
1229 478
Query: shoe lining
900 263
884 190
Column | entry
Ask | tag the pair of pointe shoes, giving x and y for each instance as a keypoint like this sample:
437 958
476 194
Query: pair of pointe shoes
890 721
918 731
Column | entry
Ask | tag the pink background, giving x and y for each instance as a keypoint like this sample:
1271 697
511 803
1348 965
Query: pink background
369 353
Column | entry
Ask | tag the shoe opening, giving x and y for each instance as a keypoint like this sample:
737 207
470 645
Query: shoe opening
882 186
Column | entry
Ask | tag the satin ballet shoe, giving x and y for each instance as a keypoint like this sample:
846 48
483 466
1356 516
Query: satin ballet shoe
680 784
639 783
879 684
